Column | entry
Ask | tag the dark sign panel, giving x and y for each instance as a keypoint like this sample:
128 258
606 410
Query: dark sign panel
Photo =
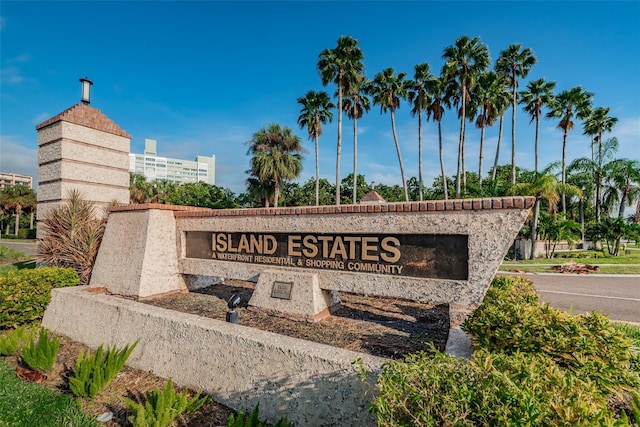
438 256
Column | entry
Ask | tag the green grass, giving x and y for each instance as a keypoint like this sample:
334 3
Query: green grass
28 404
623 264
13 260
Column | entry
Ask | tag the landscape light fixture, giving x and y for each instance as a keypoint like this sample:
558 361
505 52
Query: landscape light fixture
232 303
86 91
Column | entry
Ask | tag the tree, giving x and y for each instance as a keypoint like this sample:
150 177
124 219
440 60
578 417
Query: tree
515 62
356 105
624 178
574 102
595 125
539 93
596 168
421 99
501 103
316 111
463 61
341 65
275 157
438 90
612 231
556 228
16 199
386 90
484 106
348 186
545 187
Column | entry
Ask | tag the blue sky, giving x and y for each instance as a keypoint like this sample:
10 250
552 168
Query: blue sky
201 77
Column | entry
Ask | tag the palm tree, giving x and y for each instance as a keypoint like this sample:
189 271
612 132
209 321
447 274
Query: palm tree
341 65
420 98
15 199
539 93
595 125
387 89
545 186
438 88
356 105
515 62
596 168
501 103
316 111
569 103
483 107
624 176
463 61
276 156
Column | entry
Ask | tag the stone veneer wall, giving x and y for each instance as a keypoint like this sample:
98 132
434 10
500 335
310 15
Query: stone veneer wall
82 149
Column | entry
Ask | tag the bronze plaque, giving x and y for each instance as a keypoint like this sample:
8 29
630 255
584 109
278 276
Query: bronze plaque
437 256
281 290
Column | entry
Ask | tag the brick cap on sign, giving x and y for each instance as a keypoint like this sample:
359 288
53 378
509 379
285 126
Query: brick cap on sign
84 115
495 203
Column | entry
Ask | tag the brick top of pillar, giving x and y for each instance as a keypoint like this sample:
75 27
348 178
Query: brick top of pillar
87 116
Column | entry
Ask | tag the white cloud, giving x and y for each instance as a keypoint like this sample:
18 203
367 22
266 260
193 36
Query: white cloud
18 157
11 74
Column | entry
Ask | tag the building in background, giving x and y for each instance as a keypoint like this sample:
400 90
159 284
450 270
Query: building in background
153 167
11 179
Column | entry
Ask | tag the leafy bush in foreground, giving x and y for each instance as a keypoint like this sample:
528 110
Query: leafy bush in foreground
25 294
511 319
252 420
92 373
14 340
162 407
488 390
41 355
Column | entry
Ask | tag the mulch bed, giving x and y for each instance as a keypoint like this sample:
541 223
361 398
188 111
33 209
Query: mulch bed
385 327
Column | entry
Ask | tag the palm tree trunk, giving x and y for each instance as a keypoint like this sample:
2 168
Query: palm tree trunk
276 194
623 201
317 172
599 180
636 217
355 160
420 155
481 156
31 220
395 139
444 176
495 162
564 170
537 133
461 142
534 228
513 134
17 227
339 148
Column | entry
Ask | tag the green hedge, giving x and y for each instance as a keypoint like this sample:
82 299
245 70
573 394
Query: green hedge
533 365
25 294
23 233
511 319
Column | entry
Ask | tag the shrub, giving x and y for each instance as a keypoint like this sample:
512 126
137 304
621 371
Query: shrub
241 420
41 355
162 407
25 294
14 340
510 320
488 390
72 235
92 373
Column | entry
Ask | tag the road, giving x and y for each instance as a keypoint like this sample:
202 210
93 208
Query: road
28 248
617 296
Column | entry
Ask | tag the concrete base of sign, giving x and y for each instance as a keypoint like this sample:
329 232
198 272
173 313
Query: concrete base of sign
293 294
313 384
459 343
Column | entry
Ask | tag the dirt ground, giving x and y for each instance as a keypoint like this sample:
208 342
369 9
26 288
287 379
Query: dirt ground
385 327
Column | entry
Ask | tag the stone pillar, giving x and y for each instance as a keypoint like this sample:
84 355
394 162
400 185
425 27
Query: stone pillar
82 149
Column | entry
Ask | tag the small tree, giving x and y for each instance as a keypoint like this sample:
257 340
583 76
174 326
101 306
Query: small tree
553 230
612 231
72 235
